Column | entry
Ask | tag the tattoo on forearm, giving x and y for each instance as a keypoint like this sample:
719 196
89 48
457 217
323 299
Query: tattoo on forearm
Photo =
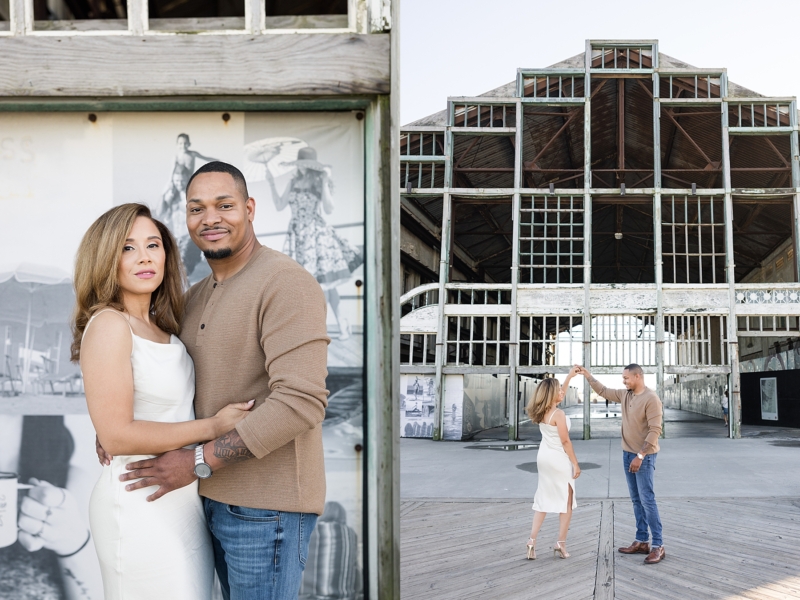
592 379
230 448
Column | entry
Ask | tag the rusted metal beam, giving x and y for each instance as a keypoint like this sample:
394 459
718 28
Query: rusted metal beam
778 152
470 147
671 117
546 147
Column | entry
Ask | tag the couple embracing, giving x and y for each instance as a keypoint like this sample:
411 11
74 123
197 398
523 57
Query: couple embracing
558 467
207 406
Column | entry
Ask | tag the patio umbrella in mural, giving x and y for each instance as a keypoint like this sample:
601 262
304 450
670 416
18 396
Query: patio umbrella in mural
34 295
275 154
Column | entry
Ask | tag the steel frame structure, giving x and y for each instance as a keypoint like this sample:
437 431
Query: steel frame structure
568 93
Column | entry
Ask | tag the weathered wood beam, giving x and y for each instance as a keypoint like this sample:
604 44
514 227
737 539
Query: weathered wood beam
138 16
21 16
308 64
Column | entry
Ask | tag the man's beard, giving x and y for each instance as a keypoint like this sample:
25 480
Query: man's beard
217 254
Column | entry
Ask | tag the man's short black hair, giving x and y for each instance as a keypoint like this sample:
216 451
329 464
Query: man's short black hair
634 368
218 166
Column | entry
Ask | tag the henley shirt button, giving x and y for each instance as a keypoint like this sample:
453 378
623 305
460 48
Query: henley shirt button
203 326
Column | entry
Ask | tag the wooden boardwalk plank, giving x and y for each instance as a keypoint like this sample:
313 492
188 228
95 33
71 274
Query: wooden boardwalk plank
717 549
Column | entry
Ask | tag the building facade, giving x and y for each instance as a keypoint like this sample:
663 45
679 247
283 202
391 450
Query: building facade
620 206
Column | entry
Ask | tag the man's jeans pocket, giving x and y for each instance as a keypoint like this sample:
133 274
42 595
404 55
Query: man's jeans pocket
257 515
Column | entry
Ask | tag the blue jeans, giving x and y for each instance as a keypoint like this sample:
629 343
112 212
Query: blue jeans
259 554
640 486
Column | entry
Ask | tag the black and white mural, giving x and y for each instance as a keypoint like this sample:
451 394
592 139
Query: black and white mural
58 173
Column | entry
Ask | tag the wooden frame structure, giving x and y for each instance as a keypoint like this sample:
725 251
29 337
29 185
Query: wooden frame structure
262 64
531 144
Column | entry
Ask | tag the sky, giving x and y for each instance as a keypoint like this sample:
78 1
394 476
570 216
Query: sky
465 47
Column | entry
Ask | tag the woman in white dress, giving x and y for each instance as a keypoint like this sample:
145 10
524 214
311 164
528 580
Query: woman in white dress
556 463
139 383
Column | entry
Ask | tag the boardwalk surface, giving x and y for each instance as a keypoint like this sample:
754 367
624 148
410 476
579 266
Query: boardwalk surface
716 549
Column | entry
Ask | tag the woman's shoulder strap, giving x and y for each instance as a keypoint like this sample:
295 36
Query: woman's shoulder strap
552 414
104 310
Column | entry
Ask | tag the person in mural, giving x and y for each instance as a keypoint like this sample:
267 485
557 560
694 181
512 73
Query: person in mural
139 383
641 427
556 462
185 160
310 240
724 402
52 557
417 386
172 211
269 469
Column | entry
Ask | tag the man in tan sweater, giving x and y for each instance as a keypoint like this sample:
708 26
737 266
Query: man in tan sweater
641 428
256 329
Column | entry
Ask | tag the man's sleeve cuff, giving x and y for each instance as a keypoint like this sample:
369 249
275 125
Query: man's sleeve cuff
250 440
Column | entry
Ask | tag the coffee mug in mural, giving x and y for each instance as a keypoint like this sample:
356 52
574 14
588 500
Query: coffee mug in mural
8 509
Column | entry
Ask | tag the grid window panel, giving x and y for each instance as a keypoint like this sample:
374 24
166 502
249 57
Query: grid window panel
768 325
689 86
478 340
422 175
622 57
418 349
620 340
550 340
479 296
693 239
422 163
552 85
421 144
551 242
759 114
478 115
695 340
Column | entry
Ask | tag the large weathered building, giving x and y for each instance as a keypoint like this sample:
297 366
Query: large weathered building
620 206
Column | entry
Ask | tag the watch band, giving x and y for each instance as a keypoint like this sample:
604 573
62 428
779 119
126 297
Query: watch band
640 456
201 468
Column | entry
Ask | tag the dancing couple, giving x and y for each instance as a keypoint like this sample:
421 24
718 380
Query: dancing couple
558 466
207 405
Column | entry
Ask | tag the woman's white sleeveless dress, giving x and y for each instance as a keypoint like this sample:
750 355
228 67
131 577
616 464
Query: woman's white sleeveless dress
159 549
555 472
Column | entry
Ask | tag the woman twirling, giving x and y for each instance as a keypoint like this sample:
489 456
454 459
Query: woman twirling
557 466
139 383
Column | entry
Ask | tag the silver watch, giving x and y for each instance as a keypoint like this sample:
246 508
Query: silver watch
639 455
201 467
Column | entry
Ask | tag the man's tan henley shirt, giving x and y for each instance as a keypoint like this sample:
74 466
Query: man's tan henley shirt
262 334
641 417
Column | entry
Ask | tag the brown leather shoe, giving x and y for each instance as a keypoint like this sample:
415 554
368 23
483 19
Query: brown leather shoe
656 556
636 548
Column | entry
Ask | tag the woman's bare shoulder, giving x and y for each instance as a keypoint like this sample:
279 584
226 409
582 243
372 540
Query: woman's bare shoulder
107 328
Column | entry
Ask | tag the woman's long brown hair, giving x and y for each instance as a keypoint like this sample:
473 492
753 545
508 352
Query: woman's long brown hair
97 266
542 399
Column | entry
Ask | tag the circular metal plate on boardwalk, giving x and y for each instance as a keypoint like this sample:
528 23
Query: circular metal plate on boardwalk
530 467
504 447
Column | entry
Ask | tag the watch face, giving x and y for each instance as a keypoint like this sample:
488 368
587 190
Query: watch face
203 471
